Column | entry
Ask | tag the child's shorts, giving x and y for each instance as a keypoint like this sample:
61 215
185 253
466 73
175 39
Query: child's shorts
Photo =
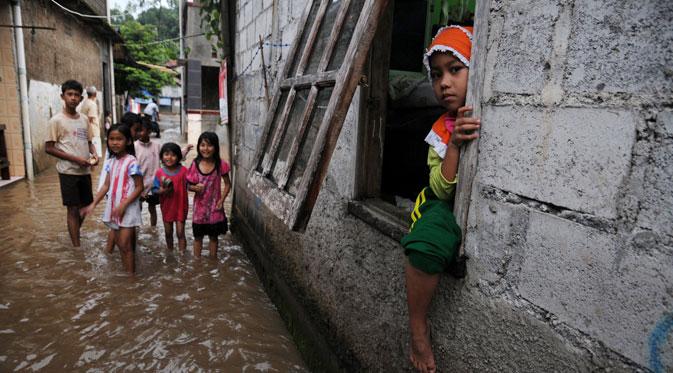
433 239
211 230
75 189
151 199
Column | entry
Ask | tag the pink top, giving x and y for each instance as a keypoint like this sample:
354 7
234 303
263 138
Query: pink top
148 159
204 202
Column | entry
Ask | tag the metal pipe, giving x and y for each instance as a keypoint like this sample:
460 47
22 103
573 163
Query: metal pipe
23 87
112 67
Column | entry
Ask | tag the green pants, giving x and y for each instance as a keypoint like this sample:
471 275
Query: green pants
433 239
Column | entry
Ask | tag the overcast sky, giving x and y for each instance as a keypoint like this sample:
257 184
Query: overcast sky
121 4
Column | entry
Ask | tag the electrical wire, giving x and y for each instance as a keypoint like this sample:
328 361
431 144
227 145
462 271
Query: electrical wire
163 41
77 13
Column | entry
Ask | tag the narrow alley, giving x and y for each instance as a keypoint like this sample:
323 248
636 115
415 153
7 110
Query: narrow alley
76 309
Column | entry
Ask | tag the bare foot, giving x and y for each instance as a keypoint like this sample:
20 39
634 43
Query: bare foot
421 350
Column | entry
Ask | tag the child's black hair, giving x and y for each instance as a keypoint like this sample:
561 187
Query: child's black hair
147 123
124 130
130 119
171 147
72 84
213 140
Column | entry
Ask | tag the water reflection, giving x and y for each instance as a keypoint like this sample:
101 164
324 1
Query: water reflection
64 308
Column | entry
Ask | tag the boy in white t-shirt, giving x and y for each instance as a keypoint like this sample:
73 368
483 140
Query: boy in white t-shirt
69 139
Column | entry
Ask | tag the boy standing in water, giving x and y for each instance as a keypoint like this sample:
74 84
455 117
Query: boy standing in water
433 239
69 139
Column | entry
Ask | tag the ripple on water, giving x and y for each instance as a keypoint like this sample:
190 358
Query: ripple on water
63 308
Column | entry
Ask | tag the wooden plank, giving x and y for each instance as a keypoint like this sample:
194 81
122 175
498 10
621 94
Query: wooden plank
320 79
277 87
373 111
346 82
334 35
282 180
270 155
312 37
469 157
275 199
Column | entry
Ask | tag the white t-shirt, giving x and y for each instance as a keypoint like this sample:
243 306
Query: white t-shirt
72 136
89 108
150 109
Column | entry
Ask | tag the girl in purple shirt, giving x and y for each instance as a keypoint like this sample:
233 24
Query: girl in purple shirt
204 176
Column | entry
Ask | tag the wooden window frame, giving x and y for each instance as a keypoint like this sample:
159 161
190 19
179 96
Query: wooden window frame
295 210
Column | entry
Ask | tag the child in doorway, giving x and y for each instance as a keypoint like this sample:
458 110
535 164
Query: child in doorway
170 184
124 181
69 139
204 178
432 242
147 153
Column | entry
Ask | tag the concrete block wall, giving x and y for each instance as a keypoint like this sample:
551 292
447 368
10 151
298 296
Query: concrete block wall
574 169
569 232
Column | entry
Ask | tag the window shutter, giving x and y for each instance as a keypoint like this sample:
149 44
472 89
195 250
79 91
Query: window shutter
193 84
309 105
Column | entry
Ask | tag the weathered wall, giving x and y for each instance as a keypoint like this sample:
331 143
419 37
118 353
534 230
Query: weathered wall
72 51
198 47
569 233
575 171
10 111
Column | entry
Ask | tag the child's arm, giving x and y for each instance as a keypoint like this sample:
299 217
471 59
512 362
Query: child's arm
225 192
186 150
123 204
51 149
99 196
465 130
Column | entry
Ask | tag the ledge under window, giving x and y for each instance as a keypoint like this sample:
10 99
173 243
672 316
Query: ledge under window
386 218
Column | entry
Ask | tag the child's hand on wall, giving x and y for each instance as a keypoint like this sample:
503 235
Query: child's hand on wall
466 128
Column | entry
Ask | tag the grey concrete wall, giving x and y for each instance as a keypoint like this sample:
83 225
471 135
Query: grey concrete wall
199 47
569 230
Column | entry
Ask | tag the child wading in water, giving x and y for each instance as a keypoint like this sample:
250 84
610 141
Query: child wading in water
204 179
170 183
147 153
432 242
124 181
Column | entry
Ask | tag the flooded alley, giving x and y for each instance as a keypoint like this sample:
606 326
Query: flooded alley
71 309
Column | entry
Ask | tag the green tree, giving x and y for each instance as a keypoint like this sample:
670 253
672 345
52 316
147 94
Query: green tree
140 41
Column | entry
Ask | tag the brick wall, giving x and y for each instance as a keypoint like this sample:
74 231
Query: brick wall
10 112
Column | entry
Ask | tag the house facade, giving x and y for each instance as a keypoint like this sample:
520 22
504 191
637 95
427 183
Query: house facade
564 202
63 45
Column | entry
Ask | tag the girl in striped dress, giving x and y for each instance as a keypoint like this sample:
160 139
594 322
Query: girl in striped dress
124 182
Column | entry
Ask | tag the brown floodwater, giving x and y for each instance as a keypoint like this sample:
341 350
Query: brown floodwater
74 309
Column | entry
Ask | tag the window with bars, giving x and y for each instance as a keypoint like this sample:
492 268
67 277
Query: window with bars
309 104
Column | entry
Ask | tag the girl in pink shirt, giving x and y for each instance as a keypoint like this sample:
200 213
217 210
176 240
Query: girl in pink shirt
204 178
170 183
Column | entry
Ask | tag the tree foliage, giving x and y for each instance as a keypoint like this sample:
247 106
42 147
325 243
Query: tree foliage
140 38
211 24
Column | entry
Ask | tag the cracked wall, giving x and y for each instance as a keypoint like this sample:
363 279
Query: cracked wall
570 230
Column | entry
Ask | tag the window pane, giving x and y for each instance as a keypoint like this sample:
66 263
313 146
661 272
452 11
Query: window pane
341 47
310 136
293 121
272 130
323 36
304 37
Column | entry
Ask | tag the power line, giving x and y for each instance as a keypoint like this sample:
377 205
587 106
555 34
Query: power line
77 13
163 41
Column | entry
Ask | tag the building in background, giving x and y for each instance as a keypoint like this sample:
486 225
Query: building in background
200 89
66 46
